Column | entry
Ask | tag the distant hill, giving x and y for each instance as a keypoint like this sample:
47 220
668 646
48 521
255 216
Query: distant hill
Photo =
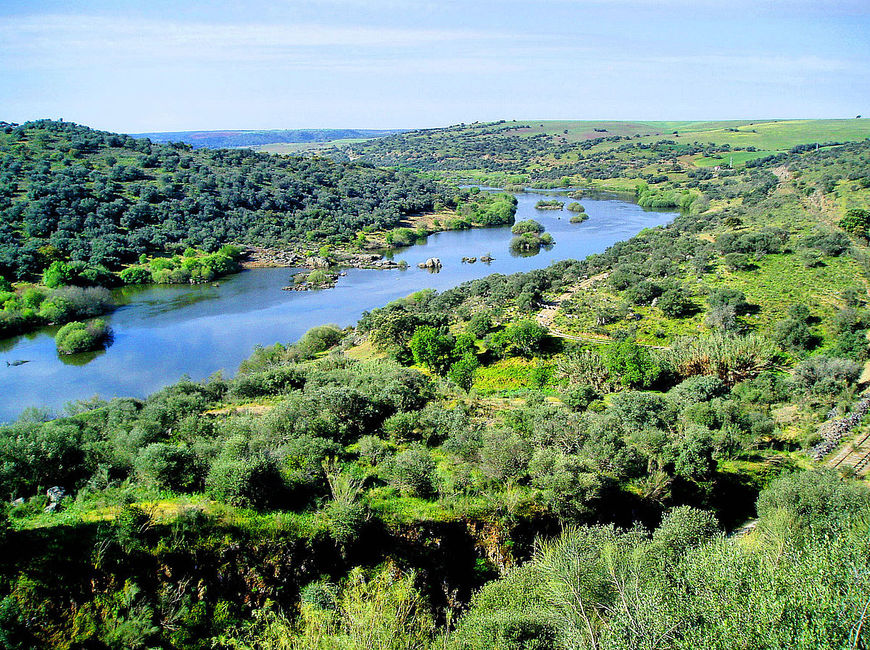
552 149
221 139
70 192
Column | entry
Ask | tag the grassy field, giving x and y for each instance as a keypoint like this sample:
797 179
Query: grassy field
291 148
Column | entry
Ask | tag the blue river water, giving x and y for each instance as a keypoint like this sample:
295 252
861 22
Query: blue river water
165 332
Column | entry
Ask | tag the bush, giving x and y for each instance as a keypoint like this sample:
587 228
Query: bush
136 275
243 477
632 364
402 427
738 261
674 303
526 337
278 380
412 472
432 347
643 292
81 337
527 226
856 221
818 498
170 467
826 375
684 528
727 297
480 324
795 335
318 339
503 456
70 303
578 398
698 389
461 372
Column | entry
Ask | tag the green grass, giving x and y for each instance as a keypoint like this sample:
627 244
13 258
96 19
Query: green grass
397 509
736 158
504 375
780 281
771 135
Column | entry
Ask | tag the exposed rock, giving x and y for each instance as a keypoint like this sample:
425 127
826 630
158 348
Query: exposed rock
255 257
431 263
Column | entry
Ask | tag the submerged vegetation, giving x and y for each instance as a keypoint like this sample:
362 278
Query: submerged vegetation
555 459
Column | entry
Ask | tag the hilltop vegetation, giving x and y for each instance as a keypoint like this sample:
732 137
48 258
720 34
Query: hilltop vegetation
541 460
71 193
608 154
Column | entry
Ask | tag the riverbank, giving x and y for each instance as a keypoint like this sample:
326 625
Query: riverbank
165 331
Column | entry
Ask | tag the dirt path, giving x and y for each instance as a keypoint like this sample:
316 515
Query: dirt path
547 316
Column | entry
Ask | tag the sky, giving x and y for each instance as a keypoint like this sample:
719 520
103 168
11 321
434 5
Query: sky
132 66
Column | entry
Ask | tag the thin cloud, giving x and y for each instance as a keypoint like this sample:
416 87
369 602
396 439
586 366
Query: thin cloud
50 40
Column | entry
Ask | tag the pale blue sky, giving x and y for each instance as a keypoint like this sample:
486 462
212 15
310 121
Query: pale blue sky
185 65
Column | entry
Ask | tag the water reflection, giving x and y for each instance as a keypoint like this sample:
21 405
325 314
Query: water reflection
82 358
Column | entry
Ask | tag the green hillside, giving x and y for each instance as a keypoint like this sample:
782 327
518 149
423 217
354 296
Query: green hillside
566 458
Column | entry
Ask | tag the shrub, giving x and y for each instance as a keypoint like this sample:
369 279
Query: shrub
578 398
684 528
372 449
526 337
674 303
856 221
461 372
503 456
727 297
480 324
737 261
827 242
731 358
723 318
632 364
273 381
136 275
81 337
69 303
318 339
243 477
643 292
411 472
170 467
819 498
320 595
402 427
810 259
432 347
698 389
527 226
530 242
826 375
793 334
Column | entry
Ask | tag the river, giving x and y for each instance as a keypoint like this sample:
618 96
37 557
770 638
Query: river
164 332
